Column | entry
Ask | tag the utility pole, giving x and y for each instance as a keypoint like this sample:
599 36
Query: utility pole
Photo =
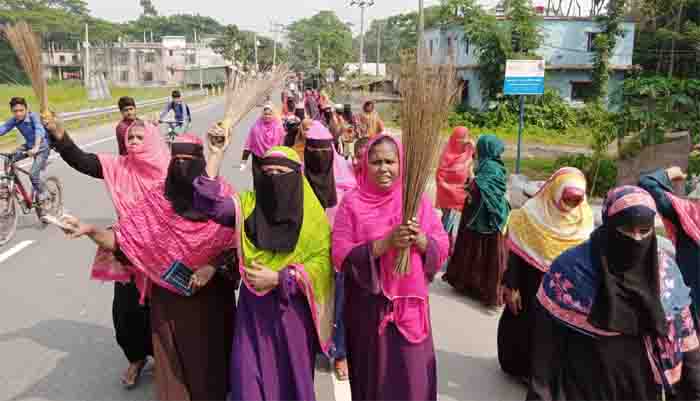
87 57
363 4
379 44
421 28
255 44
276 29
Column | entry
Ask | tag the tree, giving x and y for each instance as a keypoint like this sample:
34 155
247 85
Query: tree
326 30
517 36
604 44
148 8
668 37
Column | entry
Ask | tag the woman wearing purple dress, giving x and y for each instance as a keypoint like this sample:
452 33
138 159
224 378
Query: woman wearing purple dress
389 341
285 307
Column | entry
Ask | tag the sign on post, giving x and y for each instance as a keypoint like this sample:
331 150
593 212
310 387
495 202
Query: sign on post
523 77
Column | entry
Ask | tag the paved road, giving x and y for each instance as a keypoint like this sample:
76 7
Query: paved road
56 336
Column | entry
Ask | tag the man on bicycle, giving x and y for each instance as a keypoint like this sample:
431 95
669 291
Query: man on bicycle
180 108
127 106
36 142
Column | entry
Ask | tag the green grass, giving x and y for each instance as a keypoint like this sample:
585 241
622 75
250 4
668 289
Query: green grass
71 96
534 168
578 137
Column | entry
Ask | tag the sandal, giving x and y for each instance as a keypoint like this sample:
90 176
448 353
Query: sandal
341 369
130 383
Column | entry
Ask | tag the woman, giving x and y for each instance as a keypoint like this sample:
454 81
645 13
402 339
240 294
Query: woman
454 170
613 319
389 338
265 134
318 164
479 259
192 333
285 308
128 178
557 218
370 122
681 218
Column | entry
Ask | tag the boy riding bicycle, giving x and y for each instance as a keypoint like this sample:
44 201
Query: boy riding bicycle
36 142
181 111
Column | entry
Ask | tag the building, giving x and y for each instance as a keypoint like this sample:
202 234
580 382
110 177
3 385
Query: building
171 62
567 49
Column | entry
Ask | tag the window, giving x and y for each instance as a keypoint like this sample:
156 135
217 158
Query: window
191 59
75 59
62 59
465 40
148 76
465 93
123 59
449 45
124 76
170 53
150 58
581 90
590 45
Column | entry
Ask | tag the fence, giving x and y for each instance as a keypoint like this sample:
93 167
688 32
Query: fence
107 111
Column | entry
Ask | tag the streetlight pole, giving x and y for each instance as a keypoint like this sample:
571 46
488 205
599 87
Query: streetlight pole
379 45
363 4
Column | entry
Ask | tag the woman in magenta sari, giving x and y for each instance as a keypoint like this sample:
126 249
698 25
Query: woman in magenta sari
389 340
192 333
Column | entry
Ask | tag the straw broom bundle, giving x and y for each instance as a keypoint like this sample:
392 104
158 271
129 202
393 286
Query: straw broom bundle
246 95
428 93
27 47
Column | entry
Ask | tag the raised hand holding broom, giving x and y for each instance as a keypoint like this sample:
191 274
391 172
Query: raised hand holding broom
428 93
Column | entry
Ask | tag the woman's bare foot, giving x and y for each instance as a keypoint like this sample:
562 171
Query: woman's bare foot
341 369
130 378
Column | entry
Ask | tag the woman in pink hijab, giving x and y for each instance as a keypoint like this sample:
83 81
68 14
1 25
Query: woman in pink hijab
267 133
128 178
389 340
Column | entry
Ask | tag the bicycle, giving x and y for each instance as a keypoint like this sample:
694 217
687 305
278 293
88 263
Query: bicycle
13 192
175 128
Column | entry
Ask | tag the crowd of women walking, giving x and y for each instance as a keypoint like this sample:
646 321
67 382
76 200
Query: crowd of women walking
604 313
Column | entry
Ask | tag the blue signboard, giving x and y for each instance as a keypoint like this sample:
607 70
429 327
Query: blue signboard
524 77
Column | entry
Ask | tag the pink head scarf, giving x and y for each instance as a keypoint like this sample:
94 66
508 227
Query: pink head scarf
144 166
453 171
264 135
369 213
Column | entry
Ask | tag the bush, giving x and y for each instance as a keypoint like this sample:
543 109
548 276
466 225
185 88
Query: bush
607 175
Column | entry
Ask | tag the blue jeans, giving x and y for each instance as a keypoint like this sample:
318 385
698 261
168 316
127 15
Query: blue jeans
39 164
339 350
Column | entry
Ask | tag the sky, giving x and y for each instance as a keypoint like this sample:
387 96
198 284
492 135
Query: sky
258 15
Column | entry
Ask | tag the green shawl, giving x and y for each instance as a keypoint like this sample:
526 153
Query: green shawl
310 259
490 215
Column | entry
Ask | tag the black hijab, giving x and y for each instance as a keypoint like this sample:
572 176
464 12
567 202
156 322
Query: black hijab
318 168
292 127
628 300
275 223
179 183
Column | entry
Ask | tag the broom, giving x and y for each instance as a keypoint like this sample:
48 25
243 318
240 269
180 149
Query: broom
246 95
428 93
27 47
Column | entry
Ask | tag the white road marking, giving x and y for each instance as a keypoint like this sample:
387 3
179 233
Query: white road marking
341 389
14 250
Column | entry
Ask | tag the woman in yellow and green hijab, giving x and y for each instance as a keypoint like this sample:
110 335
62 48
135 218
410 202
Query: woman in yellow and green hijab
285 307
